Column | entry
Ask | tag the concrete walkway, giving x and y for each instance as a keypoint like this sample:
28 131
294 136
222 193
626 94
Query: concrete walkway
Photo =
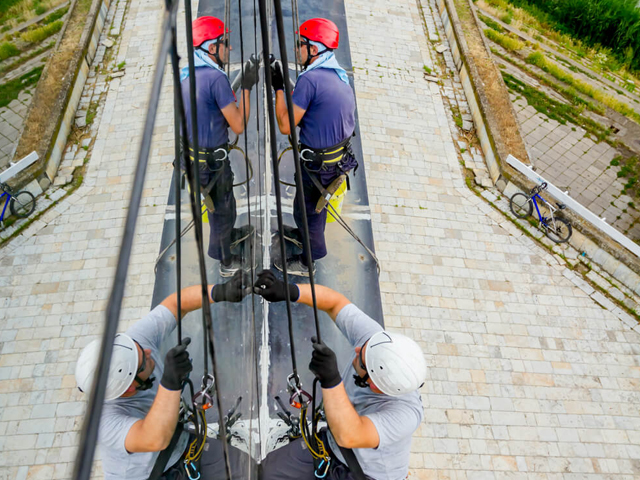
528 378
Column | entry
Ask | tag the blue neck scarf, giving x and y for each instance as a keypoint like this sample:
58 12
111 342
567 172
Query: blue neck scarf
201 59
327 60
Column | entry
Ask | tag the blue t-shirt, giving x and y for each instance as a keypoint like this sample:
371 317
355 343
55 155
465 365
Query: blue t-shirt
330 106
213 93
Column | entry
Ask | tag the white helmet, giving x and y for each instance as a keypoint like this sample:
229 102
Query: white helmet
122 371
395 363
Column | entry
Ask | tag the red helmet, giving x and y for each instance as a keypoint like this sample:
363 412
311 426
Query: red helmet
207 28
321 30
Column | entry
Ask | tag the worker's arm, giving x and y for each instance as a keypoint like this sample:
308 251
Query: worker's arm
237 116
348 428
282 114
191 297
154 432
328 300
274 290
190 300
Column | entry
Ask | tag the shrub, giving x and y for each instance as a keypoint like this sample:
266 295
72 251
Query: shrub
38 34
504 40
611 23
8 49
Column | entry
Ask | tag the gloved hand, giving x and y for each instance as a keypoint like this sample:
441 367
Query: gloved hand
277 77
324 365
250 73
176 366
234 290
272 289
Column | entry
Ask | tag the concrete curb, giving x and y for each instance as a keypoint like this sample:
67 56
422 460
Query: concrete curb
50 149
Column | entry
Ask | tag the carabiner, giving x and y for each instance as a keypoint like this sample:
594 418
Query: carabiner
293 386
193 467
326 462
207 383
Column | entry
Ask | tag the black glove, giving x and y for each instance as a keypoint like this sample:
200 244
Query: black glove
277 77
272 289
176 366
250 73
324 365
234 290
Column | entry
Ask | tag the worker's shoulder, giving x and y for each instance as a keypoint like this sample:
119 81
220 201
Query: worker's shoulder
211 75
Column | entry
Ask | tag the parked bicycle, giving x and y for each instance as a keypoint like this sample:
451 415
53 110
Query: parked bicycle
21 204
558 229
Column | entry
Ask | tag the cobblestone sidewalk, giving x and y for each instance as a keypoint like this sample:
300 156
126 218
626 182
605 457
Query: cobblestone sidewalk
528 378
11 123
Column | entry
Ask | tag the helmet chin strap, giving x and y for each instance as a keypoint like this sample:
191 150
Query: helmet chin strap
216 56
310 56
144 384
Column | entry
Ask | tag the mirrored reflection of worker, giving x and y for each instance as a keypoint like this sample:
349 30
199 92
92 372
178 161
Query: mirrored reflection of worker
143 392
216 112
324 109
372 404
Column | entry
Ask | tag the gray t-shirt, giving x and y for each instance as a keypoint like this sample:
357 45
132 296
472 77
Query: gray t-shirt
119 415
395 418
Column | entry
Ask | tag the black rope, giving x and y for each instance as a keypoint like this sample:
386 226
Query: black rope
296 159
89 435
196 208
276 174
177 174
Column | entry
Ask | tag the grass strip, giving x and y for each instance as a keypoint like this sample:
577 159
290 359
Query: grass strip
7 50
539 60
490 23
40 33
504 41
10 90
24 59
554 109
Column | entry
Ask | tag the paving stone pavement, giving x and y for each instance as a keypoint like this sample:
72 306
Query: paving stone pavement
572 161
529 377
11 124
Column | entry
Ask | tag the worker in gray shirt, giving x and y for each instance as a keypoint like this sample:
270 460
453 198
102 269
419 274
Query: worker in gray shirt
373 406
140 415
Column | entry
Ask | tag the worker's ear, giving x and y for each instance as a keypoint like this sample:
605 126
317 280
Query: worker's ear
314 50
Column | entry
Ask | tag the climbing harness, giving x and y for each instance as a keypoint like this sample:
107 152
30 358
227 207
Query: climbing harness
314 160
206 190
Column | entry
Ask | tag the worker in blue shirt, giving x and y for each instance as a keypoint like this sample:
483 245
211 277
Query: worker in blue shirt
216 112
324 108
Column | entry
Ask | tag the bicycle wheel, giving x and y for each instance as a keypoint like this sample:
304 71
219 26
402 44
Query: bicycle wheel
520 205
22 204
558 230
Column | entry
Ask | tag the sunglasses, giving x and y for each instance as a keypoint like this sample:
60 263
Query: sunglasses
143 384
358 380
303 43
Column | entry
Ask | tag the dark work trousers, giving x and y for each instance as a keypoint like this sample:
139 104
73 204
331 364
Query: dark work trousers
318 221
212 466
221 222
294 462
